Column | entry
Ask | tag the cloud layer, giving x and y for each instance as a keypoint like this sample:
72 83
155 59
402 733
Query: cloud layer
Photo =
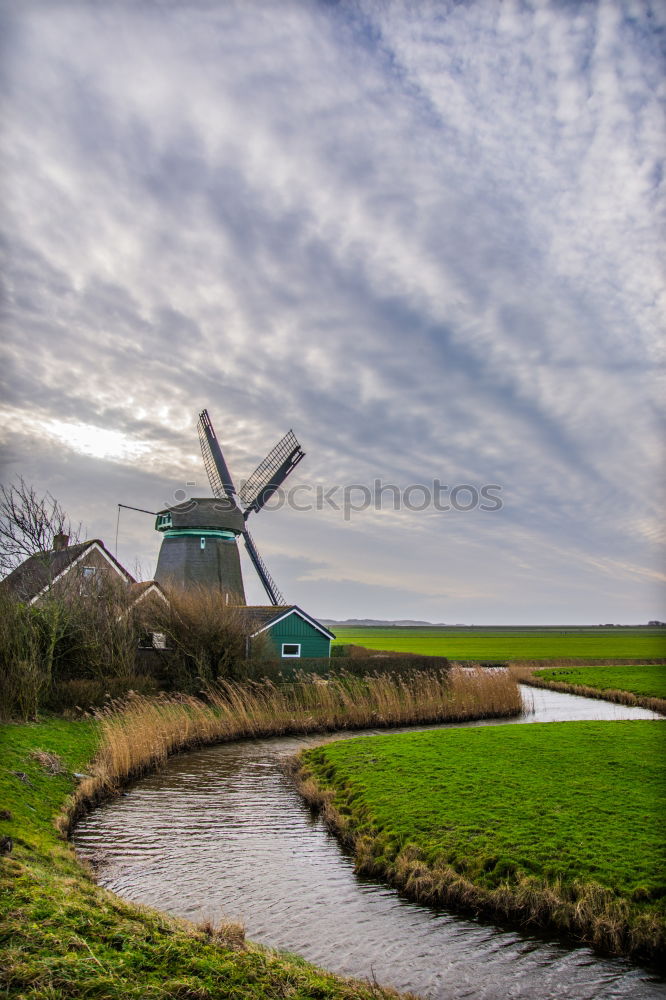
426 236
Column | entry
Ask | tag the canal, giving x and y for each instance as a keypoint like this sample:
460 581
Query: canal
221 833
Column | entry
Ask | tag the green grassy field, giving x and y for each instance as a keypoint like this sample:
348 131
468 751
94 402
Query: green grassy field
61 936
503 645
569 804
640 679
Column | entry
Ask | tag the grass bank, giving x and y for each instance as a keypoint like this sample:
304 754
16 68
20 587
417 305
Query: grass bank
627 684
555 825
64 937
508 644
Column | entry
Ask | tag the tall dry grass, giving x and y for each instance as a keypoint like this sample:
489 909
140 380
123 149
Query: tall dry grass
524 674
140 732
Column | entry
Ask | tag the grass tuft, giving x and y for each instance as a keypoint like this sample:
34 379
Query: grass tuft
51 762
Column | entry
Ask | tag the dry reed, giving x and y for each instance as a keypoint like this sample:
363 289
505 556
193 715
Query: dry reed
524 673
139 733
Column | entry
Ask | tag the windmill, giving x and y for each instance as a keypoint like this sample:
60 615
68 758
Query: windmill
200 536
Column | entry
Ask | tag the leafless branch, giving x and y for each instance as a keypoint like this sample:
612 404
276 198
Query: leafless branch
29 523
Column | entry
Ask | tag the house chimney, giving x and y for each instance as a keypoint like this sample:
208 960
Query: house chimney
60 542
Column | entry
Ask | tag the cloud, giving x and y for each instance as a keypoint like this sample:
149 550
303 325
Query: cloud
426 237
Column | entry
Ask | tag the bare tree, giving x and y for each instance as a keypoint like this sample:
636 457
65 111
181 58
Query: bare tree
29 523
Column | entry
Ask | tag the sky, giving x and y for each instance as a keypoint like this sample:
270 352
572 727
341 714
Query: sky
426 236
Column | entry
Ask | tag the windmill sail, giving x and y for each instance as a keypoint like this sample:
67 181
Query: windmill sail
271 473
218 474
263 482
269 583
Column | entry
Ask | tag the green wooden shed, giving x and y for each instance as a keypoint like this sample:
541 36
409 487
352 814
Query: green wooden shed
293 633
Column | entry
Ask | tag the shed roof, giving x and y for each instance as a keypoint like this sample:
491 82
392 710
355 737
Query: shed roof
260 617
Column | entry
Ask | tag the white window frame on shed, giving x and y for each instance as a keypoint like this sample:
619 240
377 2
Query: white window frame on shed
287 656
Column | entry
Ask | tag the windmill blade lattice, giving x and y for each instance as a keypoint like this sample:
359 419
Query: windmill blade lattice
271 473
269 583
219 476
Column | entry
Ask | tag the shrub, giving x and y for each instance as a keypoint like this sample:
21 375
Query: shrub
281 671
22 674
66 648
72 696
207 638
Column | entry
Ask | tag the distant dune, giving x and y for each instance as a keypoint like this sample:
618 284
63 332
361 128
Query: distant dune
410 623
379 623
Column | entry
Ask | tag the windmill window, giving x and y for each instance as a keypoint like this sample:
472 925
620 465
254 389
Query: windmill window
203 543
291 649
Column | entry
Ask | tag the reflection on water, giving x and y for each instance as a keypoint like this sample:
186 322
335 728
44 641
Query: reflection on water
222 833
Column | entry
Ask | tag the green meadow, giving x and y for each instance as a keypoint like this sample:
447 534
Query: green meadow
647 679
572 809
506 644
559 799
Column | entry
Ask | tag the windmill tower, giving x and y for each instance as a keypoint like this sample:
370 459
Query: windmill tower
200 536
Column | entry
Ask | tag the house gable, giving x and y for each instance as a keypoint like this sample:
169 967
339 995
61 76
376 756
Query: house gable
282 613
148 590
294 634
94 553
37 574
